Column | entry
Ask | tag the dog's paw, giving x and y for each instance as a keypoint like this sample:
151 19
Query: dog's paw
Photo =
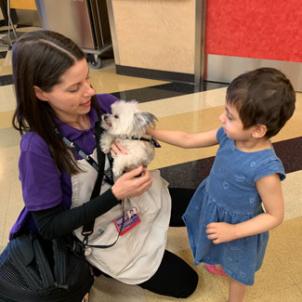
105 148
106 142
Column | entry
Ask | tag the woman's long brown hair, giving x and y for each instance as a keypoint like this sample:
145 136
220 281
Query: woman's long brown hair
39 59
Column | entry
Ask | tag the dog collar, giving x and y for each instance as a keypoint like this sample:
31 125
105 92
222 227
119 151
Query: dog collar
151 140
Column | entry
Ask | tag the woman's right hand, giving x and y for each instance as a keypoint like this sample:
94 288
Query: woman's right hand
132 183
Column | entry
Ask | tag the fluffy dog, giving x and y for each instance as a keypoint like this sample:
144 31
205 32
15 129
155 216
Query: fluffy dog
127 125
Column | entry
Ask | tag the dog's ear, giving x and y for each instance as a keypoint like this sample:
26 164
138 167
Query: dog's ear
144 119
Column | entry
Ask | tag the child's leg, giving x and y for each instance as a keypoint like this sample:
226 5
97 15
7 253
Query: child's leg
236 291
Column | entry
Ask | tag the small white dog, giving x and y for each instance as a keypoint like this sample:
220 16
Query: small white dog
127 125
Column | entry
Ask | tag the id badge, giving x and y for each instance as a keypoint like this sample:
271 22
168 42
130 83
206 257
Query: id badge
131 219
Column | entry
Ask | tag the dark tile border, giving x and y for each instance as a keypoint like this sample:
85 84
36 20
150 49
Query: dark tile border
290 152
189 175
6 80
3 54
164 91
150 93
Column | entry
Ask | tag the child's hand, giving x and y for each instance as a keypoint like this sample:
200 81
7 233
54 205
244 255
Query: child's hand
220 232
150 131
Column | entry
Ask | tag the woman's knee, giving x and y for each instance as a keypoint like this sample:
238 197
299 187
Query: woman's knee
187 284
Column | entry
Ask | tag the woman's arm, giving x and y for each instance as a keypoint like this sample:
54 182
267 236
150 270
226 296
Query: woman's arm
185 139
270 191
42 191
56 221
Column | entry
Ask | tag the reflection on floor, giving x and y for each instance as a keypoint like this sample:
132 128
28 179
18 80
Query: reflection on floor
178 106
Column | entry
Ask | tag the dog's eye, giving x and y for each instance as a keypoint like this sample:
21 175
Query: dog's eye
115 116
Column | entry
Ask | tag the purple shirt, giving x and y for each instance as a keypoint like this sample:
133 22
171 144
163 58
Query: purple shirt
43 185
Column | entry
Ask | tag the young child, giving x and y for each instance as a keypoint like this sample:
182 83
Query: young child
226 223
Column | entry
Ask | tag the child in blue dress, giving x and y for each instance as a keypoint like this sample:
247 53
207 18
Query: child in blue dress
233 209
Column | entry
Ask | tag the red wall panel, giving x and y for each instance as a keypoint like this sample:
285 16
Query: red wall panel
264 29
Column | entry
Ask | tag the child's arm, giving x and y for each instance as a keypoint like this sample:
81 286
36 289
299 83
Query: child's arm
185 139
269 188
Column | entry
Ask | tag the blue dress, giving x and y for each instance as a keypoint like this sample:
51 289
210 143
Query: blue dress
229 195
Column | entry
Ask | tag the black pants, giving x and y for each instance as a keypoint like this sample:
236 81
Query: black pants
174 276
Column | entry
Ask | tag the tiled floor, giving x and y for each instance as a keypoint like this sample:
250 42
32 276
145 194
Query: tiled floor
178 107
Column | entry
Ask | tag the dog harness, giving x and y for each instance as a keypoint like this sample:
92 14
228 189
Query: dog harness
150 140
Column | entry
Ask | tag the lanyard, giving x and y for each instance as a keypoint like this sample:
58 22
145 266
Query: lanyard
72 145
88 228
79 151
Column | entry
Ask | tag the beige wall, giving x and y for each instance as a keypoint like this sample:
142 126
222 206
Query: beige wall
155 34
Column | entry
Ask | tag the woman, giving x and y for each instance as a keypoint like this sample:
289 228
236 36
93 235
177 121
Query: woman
55 99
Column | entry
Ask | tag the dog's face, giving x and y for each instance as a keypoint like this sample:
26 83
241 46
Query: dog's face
127 120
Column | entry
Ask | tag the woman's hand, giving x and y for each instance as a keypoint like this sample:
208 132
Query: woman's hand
117 148
220 232
133 183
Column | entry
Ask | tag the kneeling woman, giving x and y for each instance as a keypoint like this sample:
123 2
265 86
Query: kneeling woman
57 104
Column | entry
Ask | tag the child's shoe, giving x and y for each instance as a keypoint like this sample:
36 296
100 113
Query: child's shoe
215 269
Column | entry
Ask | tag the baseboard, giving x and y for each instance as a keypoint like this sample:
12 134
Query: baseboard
155 74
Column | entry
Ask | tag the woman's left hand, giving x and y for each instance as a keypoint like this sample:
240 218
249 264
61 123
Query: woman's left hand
220 232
